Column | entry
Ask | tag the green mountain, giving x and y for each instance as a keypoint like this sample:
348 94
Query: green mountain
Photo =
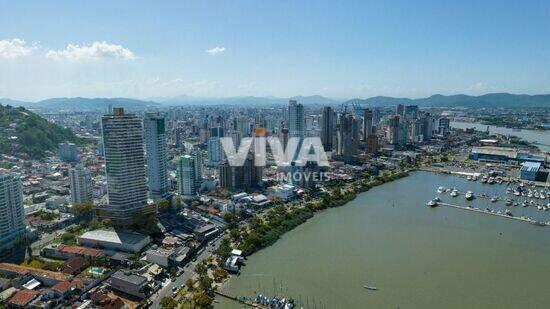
27 135
486 100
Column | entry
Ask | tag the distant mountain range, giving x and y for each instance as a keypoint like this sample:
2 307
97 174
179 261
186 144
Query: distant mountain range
486 100
244 100
438 100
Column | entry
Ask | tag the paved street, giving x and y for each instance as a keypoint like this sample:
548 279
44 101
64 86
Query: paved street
189 271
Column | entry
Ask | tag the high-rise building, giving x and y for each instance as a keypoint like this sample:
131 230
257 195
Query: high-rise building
444 126
367 123
125 167
12 214
80 183
372 144
328 126
428 127
215 150
393 130
197 155
346 133
399 110
296 120
242 125
411 112
186 176
68 152
226 175
155 147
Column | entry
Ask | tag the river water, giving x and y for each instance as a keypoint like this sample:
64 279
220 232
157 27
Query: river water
541 138
418 257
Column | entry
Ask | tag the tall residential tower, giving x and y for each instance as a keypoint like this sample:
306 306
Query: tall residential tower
125 167
155 147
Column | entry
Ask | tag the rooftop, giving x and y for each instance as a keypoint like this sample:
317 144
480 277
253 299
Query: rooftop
80 250
129 277
114 236
23 297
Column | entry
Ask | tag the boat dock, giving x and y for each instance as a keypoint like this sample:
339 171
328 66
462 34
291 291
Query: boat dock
491 213
242 301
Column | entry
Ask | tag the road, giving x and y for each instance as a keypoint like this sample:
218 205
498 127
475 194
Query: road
188 272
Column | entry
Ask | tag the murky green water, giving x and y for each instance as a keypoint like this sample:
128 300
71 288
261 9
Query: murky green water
417 257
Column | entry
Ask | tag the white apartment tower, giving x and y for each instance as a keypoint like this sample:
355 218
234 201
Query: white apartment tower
80 182
125 167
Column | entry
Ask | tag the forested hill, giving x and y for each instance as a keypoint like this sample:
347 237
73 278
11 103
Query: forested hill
25 134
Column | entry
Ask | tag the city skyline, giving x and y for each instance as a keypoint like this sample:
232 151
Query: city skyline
282 49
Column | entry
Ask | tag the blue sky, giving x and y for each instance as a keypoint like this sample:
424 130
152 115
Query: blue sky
272 48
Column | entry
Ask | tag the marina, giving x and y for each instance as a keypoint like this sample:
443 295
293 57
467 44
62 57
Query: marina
498 214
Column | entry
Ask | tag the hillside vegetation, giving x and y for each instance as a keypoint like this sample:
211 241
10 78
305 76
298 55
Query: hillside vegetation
25 134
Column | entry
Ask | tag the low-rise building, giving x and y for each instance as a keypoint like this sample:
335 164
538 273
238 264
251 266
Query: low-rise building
129 283
115 240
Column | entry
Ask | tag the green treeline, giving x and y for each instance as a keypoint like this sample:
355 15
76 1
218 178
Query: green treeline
266 230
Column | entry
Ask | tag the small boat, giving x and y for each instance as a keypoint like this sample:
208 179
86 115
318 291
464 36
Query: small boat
491 180
454 193
508 202
441 190
508 213
432 203
484 179
371 288
437 199
469 178
469 195
494 199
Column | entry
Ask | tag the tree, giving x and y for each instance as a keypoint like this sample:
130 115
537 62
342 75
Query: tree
202 300
205 283
201 269
163 205
230 219
177 202
219 275
68 238
190 283
168 302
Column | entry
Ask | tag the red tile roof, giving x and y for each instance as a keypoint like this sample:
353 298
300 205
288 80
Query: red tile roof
23 270
62 286
23 297
80 250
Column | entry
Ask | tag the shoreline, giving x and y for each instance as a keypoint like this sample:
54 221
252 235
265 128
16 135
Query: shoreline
357 187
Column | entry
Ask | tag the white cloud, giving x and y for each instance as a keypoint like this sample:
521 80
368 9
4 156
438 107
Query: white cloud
216 50
96 51
15 48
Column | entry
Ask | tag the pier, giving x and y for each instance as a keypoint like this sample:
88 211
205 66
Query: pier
491 213
242 301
